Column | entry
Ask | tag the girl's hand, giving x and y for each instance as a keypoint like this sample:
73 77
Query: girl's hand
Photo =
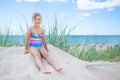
47 50
26 51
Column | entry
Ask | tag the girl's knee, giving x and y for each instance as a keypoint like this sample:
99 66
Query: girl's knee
37 55
45 55
43 52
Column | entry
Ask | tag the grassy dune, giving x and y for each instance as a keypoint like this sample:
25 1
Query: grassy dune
60 38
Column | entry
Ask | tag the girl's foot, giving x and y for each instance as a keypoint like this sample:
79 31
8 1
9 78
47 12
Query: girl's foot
45 71
59 69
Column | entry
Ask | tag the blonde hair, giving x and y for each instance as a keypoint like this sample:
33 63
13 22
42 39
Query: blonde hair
36 14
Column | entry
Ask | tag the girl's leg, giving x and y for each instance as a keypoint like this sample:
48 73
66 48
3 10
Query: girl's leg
49 59
35 53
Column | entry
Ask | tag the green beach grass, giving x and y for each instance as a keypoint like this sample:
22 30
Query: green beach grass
60 38
89 53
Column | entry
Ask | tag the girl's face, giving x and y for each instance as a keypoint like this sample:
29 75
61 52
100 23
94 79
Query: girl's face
37 20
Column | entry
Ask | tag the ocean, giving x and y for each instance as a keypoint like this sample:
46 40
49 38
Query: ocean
92 39
96 39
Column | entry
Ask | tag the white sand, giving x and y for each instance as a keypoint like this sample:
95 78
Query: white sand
15 65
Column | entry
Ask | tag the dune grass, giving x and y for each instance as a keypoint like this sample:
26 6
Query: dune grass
7 40
60 37
90 53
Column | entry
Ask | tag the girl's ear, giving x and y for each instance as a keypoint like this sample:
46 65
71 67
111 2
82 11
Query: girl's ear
33 18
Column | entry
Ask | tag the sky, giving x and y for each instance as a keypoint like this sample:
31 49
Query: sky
91 17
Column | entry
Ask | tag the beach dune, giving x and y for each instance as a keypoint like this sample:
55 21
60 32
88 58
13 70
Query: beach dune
15 65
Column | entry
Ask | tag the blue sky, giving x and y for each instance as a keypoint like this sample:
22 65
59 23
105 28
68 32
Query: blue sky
92 17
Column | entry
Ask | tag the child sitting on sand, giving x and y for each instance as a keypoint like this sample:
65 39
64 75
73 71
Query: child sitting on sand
36 45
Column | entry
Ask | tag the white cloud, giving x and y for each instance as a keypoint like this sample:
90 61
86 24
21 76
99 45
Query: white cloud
110 9
56 1
81 18
92 4
96 11
28 0
31 0
18 0
73 1
85 14
43 0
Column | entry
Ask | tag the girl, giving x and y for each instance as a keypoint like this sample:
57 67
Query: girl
36 45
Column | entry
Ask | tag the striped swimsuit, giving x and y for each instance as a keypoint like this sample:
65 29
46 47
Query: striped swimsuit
35 40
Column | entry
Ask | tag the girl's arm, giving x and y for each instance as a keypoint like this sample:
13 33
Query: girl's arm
44 41
27 39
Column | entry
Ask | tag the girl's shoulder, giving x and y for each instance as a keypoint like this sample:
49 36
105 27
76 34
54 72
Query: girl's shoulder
29 29
42 30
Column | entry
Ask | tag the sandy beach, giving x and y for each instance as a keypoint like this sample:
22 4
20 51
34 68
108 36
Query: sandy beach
15 65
